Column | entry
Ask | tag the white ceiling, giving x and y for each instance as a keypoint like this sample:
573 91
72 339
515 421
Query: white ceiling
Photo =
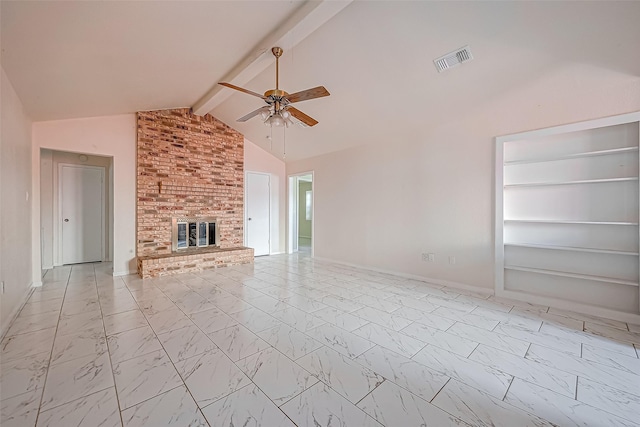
78 59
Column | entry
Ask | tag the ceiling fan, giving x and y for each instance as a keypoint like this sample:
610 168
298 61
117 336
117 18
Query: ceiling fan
278 111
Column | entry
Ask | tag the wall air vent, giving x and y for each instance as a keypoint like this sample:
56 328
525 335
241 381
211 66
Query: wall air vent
453 59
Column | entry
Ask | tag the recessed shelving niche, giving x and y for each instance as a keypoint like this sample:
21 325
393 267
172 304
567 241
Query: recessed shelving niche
567 214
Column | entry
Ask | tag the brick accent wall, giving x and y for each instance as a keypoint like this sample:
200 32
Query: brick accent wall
188 166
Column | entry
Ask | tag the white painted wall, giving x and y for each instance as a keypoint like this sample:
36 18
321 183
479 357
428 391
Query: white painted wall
258 160
15 203
110 136
382 206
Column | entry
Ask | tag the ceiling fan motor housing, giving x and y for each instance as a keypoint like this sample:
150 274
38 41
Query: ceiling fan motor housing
275 93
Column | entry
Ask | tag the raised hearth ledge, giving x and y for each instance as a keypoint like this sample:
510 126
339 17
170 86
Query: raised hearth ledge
188 261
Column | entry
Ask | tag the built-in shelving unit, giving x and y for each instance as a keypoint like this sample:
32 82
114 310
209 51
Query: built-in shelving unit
567 214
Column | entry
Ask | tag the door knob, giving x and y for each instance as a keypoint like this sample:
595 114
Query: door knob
66 220
249 219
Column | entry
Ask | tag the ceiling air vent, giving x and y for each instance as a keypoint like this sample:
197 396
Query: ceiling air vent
452 59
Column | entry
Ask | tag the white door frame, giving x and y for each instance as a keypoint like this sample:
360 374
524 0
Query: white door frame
58 211
245 224
292 211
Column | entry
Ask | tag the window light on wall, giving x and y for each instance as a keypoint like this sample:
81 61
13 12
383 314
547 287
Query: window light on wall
308 205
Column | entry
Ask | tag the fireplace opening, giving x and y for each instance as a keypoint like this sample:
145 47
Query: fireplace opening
193 233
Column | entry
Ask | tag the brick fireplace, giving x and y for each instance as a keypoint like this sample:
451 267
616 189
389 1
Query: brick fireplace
191 167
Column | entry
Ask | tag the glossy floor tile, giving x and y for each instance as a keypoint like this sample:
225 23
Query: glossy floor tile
246 407
277 376
211 376
346 376
144 377
97 409
393 405
292 341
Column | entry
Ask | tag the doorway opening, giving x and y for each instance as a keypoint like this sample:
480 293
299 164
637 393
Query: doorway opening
76 208
301 209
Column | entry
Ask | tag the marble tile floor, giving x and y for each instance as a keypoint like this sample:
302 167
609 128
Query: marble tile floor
291 341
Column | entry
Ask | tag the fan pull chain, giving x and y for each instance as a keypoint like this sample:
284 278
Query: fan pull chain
284 143
271 138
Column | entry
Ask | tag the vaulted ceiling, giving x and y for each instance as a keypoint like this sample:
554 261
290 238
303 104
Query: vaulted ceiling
80 59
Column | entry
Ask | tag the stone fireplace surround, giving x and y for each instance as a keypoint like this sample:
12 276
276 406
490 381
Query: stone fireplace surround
188 166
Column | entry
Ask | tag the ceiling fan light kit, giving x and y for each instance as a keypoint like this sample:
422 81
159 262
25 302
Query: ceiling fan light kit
279 111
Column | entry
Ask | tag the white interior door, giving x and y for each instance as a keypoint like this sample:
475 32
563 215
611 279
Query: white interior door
257 212
81 213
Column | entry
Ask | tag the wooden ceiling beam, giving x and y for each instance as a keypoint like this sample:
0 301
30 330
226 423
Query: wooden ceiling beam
304 21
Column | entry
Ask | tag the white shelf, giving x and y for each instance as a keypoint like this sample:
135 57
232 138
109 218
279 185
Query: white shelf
573 249
571 275
544 221
586 181
574 156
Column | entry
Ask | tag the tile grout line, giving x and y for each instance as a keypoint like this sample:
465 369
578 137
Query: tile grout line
153 397
275 267
262 391
113 374
232 361
224 397
53 343
513 378
438 392
370 391
184 384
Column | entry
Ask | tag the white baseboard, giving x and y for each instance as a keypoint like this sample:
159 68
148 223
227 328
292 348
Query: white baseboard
518 296
16 310
123 273
571 306
450 284
276 253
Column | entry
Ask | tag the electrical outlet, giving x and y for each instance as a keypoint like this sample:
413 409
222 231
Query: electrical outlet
452 260
428 257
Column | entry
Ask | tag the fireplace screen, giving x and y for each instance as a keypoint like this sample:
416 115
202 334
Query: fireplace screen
190 233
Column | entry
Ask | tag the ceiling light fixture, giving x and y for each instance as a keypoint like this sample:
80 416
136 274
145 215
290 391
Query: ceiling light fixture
278 119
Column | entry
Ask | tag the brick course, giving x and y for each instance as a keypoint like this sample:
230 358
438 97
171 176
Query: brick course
188 166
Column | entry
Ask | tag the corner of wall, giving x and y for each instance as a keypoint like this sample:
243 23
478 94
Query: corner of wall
17 200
